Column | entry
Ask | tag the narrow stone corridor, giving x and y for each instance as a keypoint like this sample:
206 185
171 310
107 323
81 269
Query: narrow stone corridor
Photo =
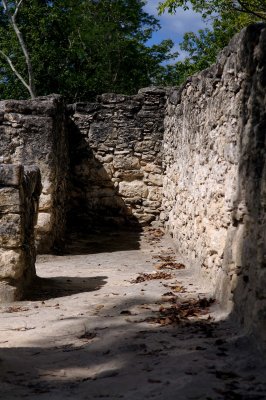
98 325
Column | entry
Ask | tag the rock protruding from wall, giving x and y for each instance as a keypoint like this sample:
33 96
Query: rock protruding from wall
20 188
214 185
33 133
116 159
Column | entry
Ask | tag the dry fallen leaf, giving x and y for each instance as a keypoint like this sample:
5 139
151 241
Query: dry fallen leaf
88 335
126 312
169 265
176 287
154 234
168 294
148 277
164 257
13 309
181 311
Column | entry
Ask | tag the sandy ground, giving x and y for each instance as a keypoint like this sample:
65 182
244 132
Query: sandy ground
89 332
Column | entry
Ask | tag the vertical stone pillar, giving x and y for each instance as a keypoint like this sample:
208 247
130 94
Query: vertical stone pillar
33 133
19 194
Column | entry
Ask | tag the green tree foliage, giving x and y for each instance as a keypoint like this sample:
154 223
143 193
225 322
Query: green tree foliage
256 8
81 48
11 9
225 17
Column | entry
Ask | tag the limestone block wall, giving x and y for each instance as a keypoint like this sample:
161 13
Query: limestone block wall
33 132
116 158
214 184
20 188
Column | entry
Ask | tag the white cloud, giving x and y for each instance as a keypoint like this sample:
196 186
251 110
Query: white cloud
178 23
174 26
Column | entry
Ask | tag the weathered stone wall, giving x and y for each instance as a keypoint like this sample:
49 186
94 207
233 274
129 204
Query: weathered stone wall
213 195
20 188
116 159
33 133
214 185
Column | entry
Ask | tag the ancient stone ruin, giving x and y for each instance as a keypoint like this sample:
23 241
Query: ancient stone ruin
20 189
189 158
116 158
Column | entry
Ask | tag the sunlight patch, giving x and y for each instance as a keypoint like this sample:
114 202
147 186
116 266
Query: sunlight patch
106 370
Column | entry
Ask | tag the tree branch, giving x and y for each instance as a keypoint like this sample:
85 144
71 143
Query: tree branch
248 10
17 8
12 20
15 70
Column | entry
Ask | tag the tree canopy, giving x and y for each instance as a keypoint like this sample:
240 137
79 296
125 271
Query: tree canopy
81 48
256 8
225 18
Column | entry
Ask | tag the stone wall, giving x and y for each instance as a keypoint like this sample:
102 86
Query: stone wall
33 133
19 195
214 185
211 140
116 159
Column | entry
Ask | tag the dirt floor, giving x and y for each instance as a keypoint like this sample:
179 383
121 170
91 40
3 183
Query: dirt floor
120 318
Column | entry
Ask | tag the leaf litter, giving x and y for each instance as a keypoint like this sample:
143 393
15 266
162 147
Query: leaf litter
13 309
148 277
170 265
177 288
181 311
88 335
154 234
164 257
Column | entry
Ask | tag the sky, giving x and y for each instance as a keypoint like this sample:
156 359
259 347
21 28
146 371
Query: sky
174 26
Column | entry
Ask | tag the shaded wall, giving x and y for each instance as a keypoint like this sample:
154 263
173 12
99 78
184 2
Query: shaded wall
116 159
247 243
20 188
214 184
211 138
33 133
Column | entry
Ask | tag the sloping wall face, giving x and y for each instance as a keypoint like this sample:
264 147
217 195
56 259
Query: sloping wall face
214 184
20 188
33 133
116 159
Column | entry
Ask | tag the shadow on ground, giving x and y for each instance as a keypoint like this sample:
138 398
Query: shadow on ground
50 288
197 360
103 240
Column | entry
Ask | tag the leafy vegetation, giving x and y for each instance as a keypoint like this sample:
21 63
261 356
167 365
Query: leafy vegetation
81 48
225 17
256 8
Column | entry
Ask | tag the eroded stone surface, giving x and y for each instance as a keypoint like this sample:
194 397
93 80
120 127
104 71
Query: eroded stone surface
214 184
214 169
19 193
116 158
33 133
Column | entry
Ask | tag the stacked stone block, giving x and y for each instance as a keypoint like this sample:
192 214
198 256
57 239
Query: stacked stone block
215 178
116 159
20 188
33 133
208 145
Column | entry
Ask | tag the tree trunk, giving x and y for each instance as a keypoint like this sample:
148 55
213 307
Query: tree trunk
12 19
